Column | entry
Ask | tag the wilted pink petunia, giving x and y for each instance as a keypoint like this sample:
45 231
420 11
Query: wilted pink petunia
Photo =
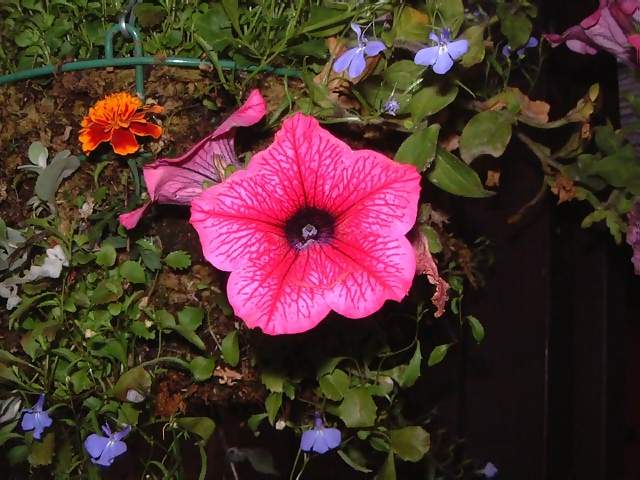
310 226
612 28
178 180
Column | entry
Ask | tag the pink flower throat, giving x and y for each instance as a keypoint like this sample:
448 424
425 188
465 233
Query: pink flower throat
307 225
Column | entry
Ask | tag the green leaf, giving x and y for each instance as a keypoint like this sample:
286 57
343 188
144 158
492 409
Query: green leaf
113 349
178 260
108 290
476 52
150 15
419 148
515 26
190 336
106 257
358 410
201 426
80 381
254 421
438 354
231 349
388 469
454 176
38 153
412 373
231 9
133 272
202 368
213 26
41 452
191 317
334 385
410 443
450 12
272 406
477 330
352 463
411 25
402 74
137 379
487 133
430 100
273 381
52 176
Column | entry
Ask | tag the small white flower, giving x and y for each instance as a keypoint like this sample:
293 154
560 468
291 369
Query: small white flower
10 292
134 396
280 424
51 268
88 333
87 209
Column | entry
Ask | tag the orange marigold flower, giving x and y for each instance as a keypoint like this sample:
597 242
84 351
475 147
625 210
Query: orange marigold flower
117 119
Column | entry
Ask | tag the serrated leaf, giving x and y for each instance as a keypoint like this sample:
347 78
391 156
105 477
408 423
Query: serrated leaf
133 272
419 148
202 368
231 349
178 260
454 176
487 133
410 443
438 354
358 410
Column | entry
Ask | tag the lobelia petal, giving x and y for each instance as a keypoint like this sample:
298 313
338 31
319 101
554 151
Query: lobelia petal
113 449
457 48
374 47
28 421
333 436
320 445
308 439
357 29
427 56
124 142
122 433
178 180
344 61
357 65
443 64
95 444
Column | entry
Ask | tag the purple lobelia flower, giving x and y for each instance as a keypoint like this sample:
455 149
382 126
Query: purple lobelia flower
391 106
442 55
353 60
103 449
532 43
633 235
320 439
36 419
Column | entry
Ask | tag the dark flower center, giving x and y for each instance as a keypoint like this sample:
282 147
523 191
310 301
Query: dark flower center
309 225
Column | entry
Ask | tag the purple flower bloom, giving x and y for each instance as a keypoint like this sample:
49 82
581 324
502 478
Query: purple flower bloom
320 439
633 235
36 419
391 106
443 54
532 43
104 449
354 58
489 470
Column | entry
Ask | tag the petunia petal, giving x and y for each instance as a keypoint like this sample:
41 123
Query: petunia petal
357 65
427 56
130 219
124 142
382 196
273 294
382 269
344 60
443 64
178 180
95 444
374 47
144 129
458 48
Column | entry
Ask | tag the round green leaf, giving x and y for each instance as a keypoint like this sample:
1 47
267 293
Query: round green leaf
106 257
357 409
410 443
487 133
133 272
202 368
430 100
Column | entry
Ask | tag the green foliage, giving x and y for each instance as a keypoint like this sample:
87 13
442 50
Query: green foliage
454 176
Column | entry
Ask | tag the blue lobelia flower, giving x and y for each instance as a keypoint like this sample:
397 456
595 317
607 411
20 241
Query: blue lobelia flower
320 439
354 58
36 419
442 55
104 449
532 43
391 106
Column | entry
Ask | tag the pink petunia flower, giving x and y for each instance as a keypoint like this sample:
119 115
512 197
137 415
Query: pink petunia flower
612 28
310 226
178 180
